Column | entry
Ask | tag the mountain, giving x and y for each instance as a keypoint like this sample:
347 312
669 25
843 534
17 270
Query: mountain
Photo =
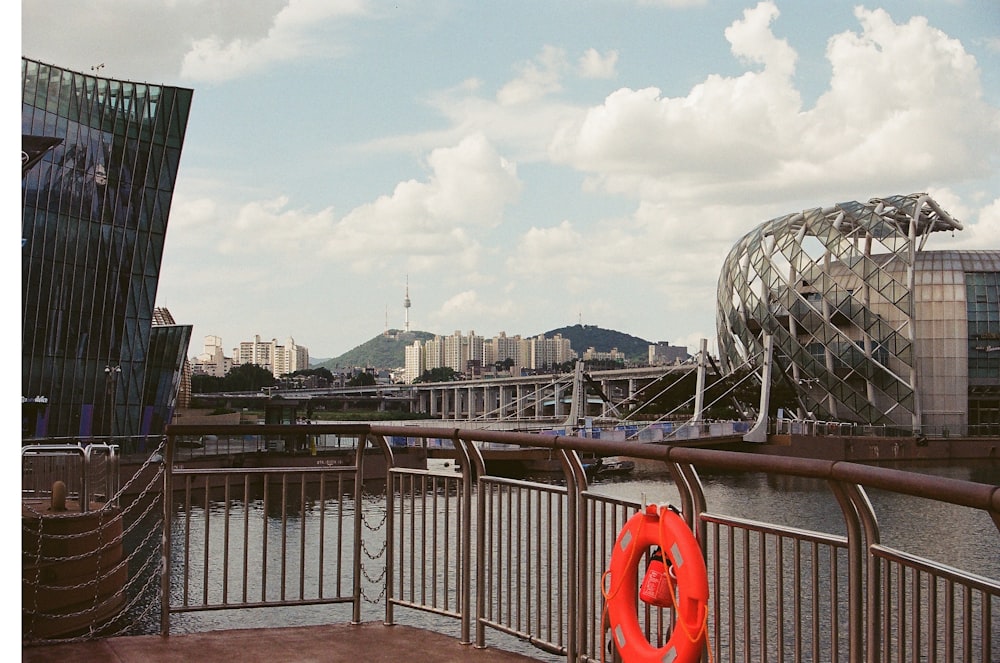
389 350
582 337
384 351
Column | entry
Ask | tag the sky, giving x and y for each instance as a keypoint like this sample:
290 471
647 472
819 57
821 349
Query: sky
521 166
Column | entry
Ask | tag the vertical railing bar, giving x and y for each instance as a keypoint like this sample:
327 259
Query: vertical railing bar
731 541
441 546
321 544
986 607
284 534
901 613
246 535
226 514
208 538
966 623
528 554
834 606
949 619
887 612
916 613
484 568
814 563
263 534
340 531
302 538
762 596
779 555
505 561
522 554
746 593
717 588
445 544
187 537
932 601
413 531
535 620
797 578
422 499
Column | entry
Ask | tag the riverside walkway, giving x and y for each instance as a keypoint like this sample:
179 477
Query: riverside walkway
341 643
486 557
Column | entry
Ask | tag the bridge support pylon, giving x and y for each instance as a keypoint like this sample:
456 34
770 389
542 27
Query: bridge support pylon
758 433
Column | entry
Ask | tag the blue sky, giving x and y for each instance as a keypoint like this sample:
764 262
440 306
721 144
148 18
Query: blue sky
529 165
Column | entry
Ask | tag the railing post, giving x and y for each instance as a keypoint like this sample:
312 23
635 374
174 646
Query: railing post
873 611
480 546
856 560
359 488
461 447
390 541
168 516
576 483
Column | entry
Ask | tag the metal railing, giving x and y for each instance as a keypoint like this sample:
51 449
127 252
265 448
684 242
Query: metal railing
527 558
88 472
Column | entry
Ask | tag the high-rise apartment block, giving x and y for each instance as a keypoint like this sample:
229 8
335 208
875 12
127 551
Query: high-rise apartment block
212 361
664 354
279 359
458 352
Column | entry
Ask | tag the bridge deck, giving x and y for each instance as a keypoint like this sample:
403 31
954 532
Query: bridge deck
339 643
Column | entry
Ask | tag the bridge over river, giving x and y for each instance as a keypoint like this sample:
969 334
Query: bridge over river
550 398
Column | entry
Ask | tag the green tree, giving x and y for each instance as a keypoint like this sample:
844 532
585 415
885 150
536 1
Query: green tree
363 379
444 374
320 371
245 377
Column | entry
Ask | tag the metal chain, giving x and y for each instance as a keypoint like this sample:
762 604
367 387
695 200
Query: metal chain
375 581
147 550
371 556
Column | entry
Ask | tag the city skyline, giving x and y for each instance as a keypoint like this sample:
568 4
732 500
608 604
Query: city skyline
531 167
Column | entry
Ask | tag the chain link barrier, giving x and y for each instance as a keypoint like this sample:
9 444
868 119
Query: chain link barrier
373 503
108 609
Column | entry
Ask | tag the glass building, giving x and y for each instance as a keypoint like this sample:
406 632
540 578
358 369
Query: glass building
867 326
99 162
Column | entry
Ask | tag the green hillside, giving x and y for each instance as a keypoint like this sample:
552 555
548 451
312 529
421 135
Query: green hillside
582 337
384 351
389 350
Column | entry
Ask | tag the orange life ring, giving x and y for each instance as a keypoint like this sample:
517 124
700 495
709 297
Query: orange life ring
661 527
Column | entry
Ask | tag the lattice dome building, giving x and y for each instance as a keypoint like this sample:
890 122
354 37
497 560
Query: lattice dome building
867 326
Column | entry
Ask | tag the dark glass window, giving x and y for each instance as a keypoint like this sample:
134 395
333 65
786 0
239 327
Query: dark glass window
983 310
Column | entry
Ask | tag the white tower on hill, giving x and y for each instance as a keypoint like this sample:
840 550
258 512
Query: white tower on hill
406 306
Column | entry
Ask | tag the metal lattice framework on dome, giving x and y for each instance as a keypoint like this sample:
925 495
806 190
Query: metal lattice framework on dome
834 288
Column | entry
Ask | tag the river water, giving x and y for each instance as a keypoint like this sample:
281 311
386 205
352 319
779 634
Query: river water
956 536
953 535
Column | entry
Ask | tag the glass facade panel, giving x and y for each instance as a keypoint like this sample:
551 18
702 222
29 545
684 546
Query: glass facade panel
89 267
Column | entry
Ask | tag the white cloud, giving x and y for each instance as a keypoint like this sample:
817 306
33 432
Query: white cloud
291 35
904 106
980 225
752 40
428 222
593 64
537 78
